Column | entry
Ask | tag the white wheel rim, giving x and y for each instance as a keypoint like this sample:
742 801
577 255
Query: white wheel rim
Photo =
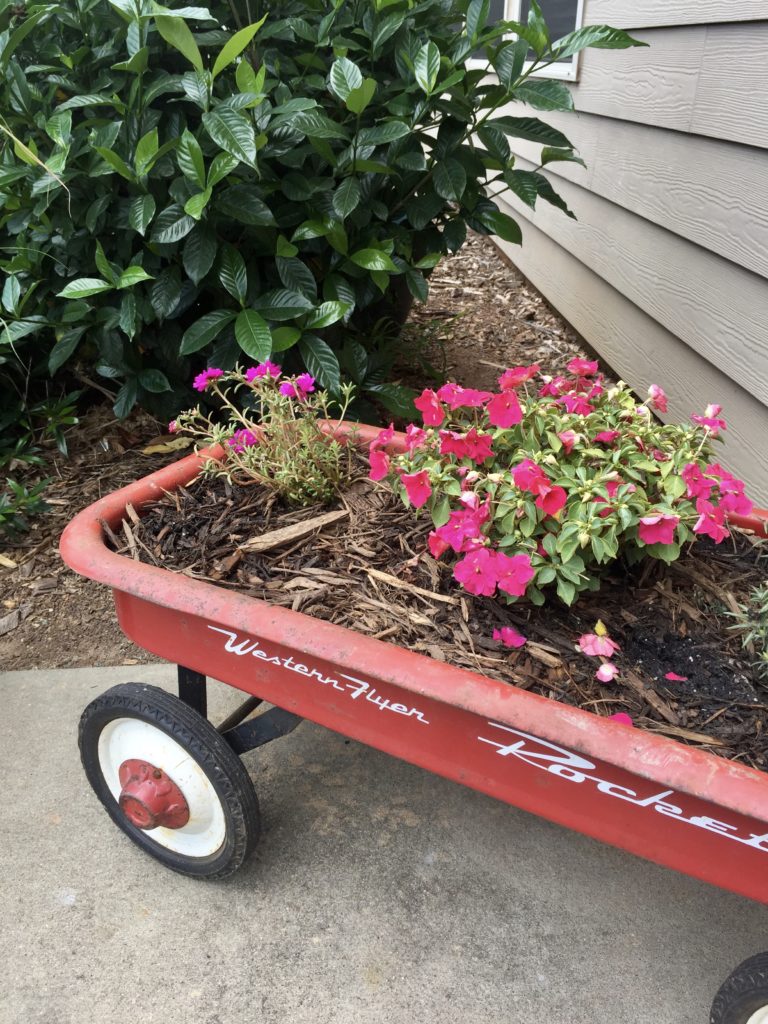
126 738
759 1016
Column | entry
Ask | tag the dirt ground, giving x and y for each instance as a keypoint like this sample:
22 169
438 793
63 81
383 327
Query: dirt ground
484 313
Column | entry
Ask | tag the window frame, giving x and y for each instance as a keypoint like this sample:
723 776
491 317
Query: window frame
565 72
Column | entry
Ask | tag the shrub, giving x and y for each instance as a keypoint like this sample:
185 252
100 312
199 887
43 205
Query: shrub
542 488
177 192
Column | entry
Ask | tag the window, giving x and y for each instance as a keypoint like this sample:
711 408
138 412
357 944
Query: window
562 17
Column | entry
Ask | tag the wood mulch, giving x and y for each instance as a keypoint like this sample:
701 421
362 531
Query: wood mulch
367 569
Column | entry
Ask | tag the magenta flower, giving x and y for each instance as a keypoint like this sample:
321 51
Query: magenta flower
583 367
576 404
513 573
606 436
553 387
287 389
658 529
463 531
517 375
415 437
622 718
305 383
509 636
242 439
552 501
657 398
698 485
710 420
597 646
477 572
607 672
504 410
379 463
673 677
383 438
569 439
471 445
437 546
265 369
530 477
430 407
456 397
417 487
200 382
711 521
172 428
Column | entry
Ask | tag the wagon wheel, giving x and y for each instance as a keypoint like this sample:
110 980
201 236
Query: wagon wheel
743 997
169 780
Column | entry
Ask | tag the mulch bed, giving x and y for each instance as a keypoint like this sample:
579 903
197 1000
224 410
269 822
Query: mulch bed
369 570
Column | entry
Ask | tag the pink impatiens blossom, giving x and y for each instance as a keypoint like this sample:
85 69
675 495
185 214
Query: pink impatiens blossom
513 573
172 428
658 529
622 718
657 398
607 672
463 531
673 677
597 646
415 437
552 501
553 387
710 419
509 636
417 487
456 397
569 439
383 438
477 572
471 445
437 546
430 407
242 439
517 375
265 369
699 486
606 436
379 462
583 367
200 383
576 404
711 521
528 476
504 410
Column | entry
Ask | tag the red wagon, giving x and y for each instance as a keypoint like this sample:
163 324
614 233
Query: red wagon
176 785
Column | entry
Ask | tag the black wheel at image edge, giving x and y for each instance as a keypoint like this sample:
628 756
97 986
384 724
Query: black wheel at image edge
744 994
134 720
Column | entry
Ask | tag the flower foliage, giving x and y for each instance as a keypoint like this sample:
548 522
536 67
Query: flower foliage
539 486
272 432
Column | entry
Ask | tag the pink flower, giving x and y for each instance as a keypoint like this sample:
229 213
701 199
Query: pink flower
698 485
379 462
200 382
622 718
583 367
305 383
713 410
242 439
417 487
172 428
607 672
471 445
736 504
551 502
456 397
383 438
287 389
711 521
530 477
569 439
504 410
711 422
658 529
517 375
415 437
463 531
477 572
597 646
673 677
265 369
606 436
657 398
513 573
437 546
553 387
430 408
509 636
576 404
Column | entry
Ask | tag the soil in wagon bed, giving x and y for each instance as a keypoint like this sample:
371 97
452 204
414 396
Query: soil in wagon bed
369 570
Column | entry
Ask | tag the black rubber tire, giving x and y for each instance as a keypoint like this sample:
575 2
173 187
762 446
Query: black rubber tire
743 993
224 769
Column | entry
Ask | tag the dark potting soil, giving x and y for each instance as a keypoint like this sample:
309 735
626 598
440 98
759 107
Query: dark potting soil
370 570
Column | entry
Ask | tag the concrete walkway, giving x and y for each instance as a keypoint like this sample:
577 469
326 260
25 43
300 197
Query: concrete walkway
380 894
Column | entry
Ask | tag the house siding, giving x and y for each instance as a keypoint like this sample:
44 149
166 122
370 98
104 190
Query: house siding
665 272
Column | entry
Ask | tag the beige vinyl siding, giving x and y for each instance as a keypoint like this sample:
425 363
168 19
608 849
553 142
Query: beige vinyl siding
665 273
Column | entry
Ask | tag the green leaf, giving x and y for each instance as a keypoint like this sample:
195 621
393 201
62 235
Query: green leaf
601 37
498 223
83 287
531 129
547 193
233 132
172 225
235 46
126 398
344 78
86 100
296 275
205 330
190 158
116 163
11 293
387 131
165 293
242 203
450 179
64 348
523 184
508 62
59 127
545 95
477 16
132 276
455 233
284 338
137 64
327 313
360 97
373 259
285 248
154 381
316 125
282 304
21 31
221 165
346 197
320 359
177 33
146 148
538 33
566 591
126 320
199 252
140 213
103 265
550 154
253 335
195 205
197 86
427 67
233 275
417 284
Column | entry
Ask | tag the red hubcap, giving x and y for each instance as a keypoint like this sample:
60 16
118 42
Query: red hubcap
149 798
